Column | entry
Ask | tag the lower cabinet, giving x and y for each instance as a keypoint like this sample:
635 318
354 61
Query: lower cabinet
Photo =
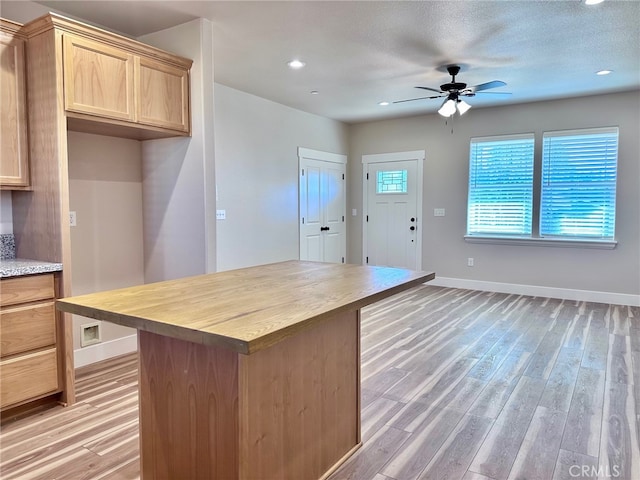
28 352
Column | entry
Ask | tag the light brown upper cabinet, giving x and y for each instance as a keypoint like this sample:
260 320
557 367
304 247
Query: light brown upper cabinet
114 85
98 79
163 95
14 147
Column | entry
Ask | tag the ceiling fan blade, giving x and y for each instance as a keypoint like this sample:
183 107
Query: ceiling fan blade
493 93
432 89
420 98
488 85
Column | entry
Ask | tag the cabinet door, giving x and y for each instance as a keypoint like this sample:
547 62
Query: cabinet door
14 148
163 95
98 79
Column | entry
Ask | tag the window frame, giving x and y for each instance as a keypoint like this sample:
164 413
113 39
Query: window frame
528 222
535 239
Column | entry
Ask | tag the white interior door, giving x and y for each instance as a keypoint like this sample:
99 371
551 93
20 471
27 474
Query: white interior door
392 218
322 206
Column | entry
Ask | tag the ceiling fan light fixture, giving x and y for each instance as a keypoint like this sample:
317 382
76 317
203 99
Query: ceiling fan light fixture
592 2
463 107
448 108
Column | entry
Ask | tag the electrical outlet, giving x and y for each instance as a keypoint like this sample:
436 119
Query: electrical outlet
438 212
221 214
470 262
73 219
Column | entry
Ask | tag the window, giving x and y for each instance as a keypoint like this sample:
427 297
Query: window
578 192
392 181
501 185
574 186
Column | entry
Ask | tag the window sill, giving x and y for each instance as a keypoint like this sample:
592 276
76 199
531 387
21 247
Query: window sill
542 242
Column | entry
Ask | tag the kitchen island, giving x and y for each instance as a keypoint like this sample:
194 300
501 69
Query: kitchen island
250 373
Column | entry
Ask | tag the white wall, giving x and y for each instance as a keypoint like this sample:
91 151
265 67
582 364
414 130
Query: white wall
445 186
179 173
105 191
257 174
6 213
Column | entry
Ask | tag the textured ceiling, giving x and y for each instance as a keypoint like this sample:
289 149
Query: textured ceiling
361 53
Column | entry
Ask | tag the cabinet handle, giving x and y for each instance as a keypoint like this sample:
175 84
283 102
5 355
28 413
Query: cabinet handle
324 229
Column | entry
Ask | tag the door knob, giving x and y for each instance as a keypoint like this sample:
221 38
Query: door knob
412 228
413 219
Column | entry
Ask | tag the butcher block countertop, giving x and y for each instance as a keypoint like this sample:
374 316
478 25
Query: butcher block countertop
249 309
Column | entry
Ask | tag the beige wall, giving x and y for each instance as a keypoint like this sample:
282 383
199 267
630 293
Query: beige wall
105 191
179 173
257 174
445 186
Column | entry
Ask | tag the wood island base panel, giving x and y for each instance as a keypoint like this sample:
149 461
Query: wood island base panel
278 400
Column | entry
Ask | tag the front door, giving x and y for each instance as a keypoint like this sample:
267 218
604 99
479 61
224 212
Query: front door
392 223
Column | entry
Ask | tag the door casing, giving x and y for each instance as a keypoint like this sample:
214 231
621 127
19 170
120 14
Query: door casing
416 155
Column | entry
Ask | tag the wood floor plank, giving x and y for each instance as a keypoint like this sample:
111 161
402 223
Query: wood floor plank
619 451
495 395
597 348
619 359
415 412
453 459
474 476
543 359
376 415
372 456
537 456
577 334
499 450
582 431
454 366
419 448
558 391
572 465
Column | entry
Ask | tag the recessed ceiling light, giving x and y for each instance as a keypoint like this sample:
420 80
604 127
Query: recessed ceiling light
314 92
604 72
383 104
592 2
296 64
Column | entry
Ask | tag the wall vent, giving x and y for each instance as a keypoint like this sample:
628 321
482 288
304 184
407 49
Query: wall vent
90 334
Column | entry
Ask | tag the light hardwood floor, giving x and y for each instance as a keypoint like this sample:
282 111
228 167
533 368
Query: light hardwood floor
456 384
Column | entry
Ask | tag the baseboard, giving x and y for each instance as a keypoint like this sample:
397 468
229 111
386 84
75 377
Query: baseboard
102 351
538 291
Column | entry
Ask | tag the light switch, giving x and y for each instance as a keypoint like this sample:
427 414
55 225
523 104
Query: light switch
438 212
221 214
354 212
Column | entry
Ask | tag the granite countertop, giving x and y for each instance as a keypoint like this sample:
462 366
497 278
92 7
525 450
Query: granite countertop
15 267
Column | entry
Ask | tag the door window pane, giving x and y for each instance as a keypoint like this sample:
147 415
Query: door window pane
392 181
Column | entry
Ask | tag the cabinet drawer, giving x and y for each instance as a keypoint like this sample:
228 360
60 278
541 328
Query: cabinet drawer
28 376
29 288
27 328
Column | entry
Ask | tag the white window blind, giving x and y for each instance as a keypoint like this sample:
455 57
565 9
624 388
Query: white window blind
500 185
578 196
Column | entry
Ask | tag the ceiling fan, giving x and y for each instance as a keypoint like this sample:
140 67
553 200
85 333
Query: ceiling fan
454 90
